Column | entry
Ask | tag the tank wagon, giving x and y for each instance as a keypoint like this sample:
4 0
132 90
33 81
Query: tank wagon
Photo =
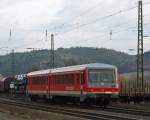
94 83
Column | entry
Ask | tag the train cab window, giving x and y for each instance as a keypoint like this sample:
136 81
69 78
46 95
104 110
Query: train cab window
101 78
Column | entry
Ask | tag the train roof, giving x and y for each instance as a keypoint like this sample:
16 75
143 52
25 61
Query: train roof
4 79
40 72
82 67
73 68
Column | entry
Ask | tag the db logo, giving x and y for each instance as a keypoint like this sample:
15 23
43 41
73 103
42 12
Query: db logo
69 88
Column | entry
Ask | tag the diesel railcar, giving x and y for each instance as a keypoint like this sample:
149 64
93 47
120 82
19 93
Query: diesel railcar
94 83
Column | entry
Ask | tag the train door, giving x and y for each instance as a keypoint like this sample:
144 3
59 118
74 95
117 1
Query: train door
77 82
81 80
29 86
81 83
50 85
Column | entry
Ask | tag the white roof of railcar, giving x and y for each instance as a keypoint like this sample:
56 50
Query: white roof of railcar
40 72
73 68
82 67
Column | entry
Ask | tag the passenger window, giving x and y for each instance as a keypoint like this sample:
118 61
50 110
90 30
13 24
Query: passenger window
78 78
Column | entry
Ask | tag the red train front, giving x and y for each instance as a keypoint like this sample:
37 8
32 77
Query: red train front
93 83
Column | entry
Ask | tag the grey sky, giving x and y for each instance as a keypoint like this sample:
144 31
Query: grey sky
29 19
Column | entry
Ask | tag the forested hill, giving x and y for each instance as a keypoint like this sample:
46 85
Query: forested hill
29 61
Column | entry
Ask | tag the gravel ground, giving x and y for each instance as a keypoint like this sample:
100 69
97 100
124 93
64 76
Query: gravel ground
8 112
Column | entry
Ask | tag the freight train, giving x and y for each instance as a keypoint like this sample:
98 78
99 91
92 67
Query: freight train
13 85
94 83
131 92
4 84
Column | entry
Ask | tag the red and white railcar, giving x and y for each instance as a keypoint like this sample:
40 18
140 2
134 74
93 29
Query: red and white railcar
90 83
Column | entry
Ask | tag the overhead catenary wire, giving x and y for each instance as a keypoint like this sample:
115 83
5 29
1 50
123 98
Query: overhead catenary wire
126 28
114 32
78 16
27 44
119 12
96 20
63 24
77 25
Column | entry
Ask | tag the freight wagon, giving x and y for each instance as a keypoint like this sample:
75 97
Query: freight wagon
4 84
130 92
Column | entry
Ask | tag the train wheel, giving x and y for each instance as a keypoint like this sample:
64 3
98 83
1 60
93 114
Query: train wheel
88 102
76 101
99 102
33 98
60 100
56 100
106 102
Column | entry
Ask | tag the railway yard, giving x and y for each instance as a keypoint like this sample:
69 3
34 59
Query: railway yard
13 112
73 91
22 108
61 82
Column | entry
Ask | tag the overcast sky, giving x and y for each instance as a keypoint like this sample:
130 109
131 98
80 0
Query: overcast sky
74 23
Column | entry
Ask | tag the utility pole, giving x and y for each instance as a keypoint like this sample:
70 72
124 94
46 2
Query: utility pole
46 35
110 33
140 71
52 51
10 34
12 58
13 64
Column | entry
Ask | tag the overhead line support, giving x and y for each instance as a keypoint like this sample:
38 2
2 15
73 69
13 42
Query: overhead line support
52 51
140 71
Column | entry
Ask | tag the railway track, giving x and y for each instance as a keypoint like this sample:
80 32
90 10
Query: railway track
129 111
67 111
